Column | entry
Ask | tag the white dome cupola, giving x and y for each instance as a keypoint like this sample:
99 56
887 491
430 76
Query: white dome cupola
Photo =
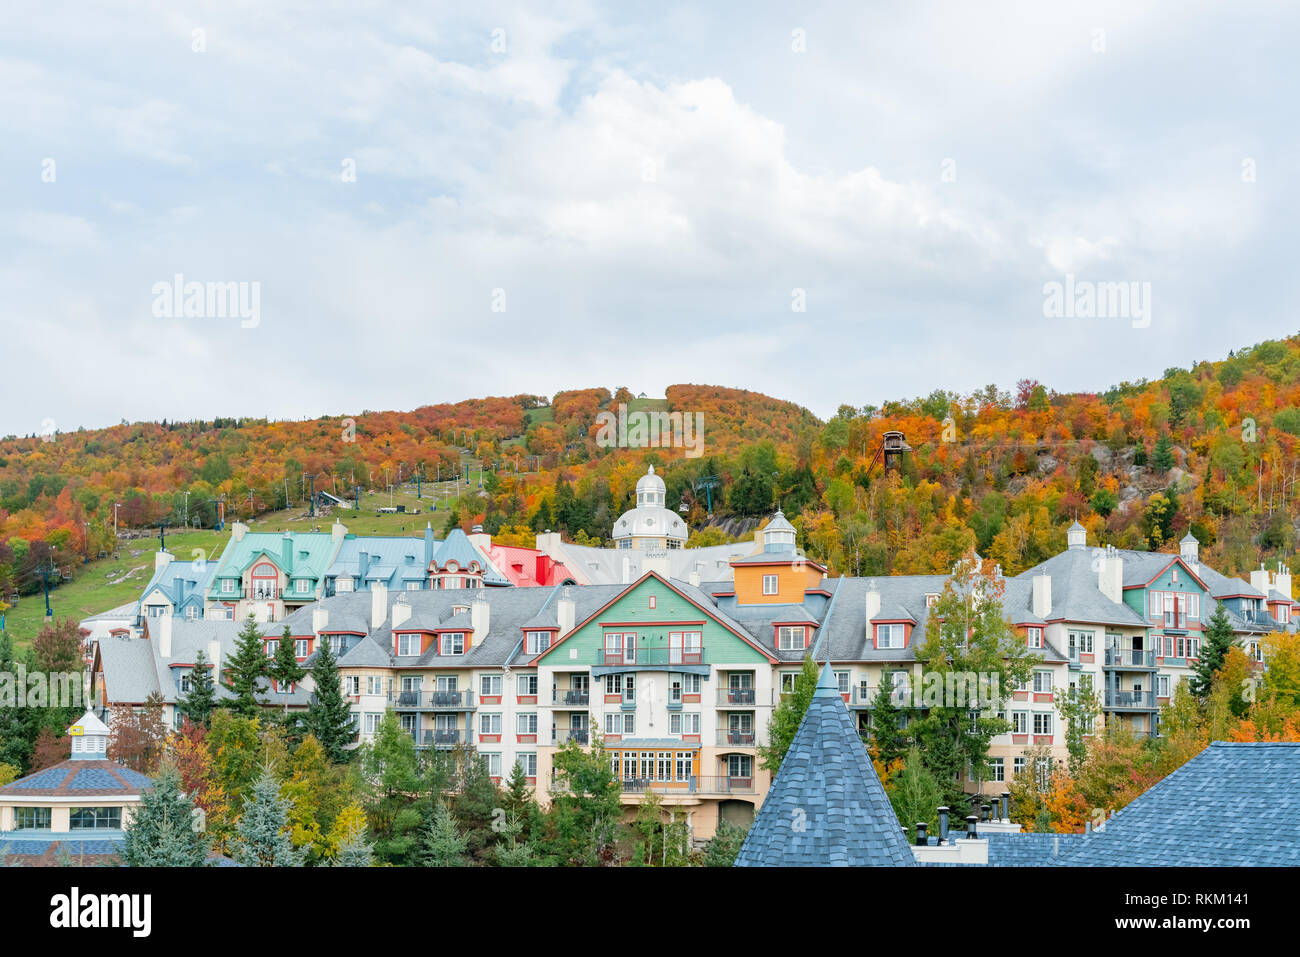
89 739
650 525
650 490
779 534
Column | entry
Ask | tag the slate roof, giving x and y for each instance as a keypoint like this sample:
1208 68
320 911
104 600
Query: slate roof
192 578
1233 805
1028 849
79 778
1076 595
826 782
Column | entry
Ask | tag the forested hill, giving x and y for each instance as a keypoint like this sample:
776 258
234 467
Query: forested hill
1210 449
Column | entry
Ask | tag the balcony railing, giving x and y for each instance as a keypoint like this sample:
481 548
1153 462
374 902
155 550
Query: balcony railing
1131 699
650 657
438 738
432 700
571 697
1129 658
692 785
565 735
737 737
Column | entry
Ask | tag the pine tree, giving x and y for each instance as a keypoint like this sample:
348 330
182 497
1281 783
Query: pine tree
245 671
263 838
1214 651
329 717
725 845
787 717
915 794
355 852
202 698
284 667
163 832
442 844
887 735
1162 458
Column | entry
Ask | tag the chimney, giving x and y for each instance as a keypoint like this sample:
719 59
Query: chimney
872 605
1259 578
479 616
1042 585
694 579
237 531
1188 550
161 559
565 612
480 539
320 619
214 658
378 604
286 553
1110 574
987 810
337 531
1006 805
972 827
921 838
428 544
943 824
1282 580
363 566
164 635
401 611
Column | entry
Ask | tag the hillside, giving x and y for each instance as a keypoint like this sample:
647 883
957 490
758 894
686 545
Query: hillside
1210 449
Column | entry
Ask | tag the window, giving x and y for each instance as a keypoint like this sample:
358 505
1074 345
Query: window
997 769
1019 722
32 818
684 723
302 585
889 636
526 723
1017 766
1042 682
740 766
842 681
787 681
227 586
374 684
343 584
537 642
622 722
930 600
371 721
620 648
416 586
490 723
680 685
95 818
453 643
191 613
652 601
1080 642
489 685
492 761
408 645
527 685
1035 637
769 584
283 687
685 647
791 638
1044 769
1043 722
1162 686
529 764
899 685
186 683
352 685
272 648
614 684
301 648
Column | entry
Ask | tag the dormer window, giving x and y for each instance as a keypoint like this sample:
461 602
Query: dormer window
931 600
538 641
791 638
770 584
889 636
1034 637
452 643
408 645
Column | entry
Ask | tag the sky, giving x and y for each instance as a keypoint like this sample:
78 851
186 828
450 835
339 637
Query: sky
828 203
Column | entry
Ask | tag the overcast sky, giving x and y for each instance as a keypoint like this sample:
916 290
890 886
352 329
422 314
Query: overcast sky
629 194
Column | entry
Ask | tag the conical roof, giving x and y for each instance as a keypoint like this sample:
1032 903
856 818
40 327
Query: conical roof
827 807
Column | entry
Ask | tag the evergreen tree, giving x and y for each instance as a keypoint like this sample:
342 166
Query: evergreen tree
355 852
284 667
887 734
202 698
163 832
915 794
512 852
1217 640
725 845
246 671
787 716
442 843
328 716
587 805
1162 457
15 742
262 838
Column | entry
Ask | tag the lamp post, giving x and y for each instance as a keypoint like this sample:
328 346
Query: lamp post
116 506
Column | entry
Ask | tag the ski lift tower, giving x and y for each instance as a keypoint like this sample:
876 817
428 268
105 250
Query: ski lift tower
892 447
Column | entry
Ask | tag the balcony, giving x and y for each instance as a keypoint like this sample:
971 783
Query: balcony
653 657
692 785
742 697
737 737
570 697
432 700
439 738
565 735
1129 658
863 696
1133 700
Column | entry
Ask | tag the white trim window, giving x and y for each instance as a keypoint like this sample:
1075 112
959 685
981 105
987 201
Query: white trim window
371 722
492 761
489 723
1042 682
301 647
408 645
528 762
526 722
889 636
791 638
620 722
1043 722
997 769
787 681
374 684
537 641
771 584
352 686
1019 722
227 586
843 680
1018 766
1034 637
451 643
684 723
526 686
302 586
489 686
1162 686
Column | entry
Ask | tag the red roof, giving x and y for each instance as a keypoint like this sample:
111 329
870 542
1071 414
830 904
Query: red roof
527 567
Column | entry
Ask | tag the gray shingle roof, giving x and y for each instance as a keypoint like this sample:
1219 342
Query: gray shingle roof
1233 805
826 784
